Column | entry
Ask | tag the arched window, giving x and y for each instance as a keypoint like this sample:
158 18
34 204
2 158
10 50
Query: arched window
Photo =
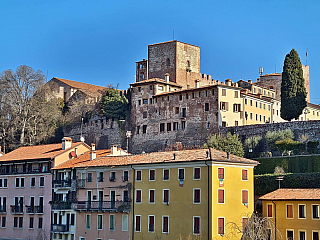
188 63
168 62
142 75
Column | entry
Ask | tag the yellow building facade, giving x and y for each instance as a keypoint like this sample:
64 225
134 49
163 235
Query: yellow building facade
198 194
295 212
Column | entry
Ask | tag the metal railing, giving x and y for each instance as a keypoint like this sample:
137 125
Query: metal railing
16 209
59 228
60 205
61 183
34 209
102 205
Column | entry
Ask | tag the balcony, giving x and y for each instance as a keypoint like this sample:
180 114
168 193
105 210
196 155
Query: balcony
112 179
61 183
34 209
10 171
59 228
3 208
57 205
16 209
120 206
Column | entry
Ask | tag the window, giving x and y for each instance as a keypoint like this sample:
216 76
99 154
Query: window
100 177
125 176
166 196
125 195
192 95
72 219
315 235
145 114
88 221
220 195
40 223
269 210
244 196
224 106
212 92
19 182
32 182
315 211
166 174
151 223
175 126
256 104
181 173
184 112
168 127
160 88
251 103
290 211
289 234
245 101
188 64
138 129
180 97
3 223
196 225
145 101
112 222
236 94
20 222
152 175
139 176
224 92
139 89
144 129
89 177
41 182
138 195
183 125
220 174
196 195
99 225
15 222
165 224
138 223
256 117
31 222
302 235
3 204
302 212
112 176
196 173
244 223
244 174
251 116
206 106
236 107
124 223
151 196
260 105
221 226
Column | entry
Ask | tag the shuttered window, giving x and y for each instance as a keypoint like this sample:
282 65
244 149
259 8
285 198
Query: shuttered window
221 226
244 174
220 195
196 225
221 173
289 211
244 196
269 210
138 196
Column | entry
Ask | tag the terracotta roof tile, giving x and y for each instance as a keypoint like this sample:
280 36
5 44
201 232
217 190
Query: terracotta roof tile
80 85
85 157
293 194
161 157
150 80
35 152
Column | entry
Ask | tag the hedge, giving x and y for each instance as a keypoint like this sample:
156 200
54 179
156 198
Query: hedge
266 183
294 164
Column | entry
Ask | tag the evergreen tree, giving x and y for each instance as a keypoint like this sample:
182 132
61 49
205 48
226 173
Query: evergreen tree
293 91
113 105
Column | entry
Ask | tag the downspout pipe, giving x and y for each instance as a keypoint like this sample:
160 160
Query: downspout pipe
133 200
208 187
275 220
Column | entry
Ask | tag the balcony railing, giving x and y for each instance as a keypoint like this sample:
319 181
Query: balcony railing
34 209
112 179
61 183
16 209
4 171
60 205
102 205
59 228
3 208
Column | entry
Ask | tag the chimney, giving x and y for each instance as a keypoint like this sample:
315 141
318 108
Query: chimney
250 81
174 156
228 82
114 150
76 151
167 77
228 155
196 83
93 153
66 143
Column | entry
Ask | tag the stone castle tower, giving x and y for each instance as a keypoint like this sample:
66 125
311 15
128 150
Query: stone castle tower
180 60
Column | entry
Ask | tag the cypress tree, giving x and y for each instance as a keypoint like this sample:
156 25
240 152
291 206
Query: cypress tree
293 91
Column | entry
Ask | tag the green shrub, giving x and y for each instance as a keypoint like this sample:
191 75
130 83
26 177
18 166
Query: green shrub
312 146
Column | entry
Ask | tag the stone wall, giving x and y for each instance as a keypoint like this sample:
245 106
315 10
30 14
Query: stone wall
312 128
101 132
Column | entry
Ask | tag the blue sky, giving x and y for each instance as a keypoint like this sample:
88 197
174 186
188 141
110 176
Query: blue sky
99 42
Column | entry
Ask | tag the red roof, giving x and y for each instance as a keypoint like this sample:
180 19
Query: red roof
35 152
293 194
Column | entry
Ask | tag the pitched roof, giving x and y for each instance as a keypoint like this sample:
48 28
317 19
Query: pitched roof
293 194
81 159
159 80
165 157
35 152
80 85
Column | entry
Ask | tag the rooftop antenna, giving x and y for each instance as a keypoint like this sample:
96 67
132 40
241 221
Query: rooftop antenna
260 70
